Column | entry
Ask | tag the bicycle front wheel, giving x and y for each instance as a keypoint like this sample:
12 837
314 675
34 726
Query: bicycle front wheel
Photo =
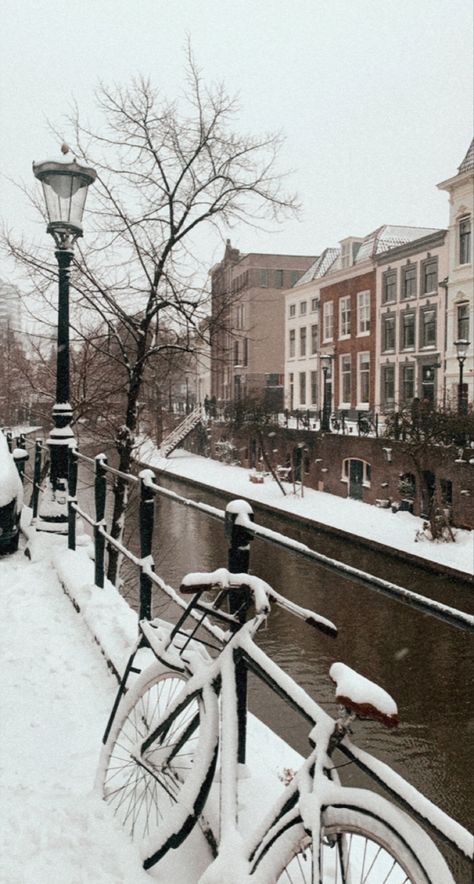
357 847
139 786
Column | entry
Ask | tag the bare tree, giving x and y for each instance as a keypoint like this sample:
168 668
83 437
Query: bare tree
166 171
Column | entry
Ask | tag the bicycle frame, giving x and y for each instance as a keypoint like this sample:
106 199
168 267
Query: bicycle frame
315 781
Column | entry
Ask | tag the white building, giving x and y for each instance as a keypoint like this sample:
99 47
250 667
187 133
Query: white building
460 287
410 333
302 335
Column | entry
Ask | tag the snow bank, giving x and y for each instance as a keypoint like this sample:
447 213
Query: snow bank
353 516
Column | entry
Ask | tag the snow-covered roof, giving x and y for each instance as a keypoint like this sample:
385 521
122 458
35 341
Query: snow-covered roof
321 266
387 237
468 161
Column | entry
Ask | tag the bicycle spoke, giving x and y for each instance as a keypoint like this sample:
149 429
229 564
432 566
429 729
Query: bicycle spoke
141 787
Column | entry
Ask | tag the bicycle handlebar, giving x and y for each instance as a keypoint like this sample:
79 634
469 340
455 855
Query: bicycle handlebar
262 592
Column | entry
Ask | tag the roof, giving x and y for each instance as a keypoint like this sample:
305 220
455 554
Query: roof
387 237
468 161
321 266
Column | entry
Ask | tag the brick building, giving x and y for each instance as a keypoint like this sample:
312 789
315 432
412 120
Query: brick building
248 319
348 306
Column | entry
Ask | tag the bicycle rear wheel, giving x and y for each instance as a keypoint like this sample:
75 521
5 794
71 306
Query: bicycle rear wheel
357 847
140 787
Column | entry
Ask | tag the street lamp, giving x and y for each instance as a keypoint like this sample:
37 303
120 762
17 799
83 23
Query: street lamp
326 360
462 347
65 184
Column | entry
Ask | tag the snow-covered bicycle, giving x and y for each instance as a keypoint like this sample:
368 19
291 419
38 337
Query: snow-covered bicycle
179 721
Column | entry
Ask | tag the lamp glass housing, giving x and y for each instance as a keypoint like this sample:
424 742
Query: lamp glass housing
462 347
326 360
65 187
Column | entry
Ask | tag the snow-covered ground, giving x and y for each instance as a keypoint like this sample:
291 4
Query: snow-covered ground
396 530
56 693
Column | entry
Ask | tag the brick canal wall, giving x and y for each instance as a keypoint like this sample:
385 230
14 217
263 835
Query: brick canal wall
386 467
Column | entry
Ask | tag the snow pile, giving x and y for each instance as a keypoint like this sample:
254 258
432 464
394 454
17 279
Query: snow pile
10 484
108 616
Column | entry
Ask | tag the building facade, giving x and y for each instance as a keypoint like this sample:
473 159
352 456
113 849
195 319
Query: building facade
302 336
248 324
410 317
348 311
460 285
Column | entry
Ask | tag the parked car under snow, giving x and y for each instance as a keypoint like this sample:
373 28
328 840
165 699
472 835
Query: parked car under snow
11 499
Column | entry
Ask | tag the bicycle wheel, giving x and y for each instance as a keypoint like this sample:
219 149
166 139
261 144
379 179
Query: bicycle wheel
139 787
357 847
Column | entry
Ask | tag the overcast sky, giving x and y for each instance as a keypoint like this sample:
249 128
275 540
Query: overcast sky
374 97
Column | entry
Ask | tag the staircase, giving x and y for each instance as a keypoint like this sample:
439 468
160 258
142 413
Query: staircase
181 431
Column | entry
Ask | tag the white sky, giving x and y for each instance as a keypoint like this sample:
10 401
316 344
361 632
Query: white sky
375 98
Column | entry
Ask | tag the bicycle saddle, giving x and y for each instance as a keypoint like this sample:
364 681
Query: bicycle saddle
363 697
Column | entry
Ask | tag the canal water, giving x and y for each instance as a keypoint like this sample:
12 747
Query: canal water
426 665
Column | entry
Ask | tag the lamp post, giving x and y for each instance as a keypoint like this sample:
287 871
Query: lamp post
65 184
326 360
462 347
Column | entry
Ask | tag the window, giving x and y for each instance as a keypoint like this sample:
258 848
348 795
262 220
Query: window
345 317
428 328
292 310
295 275
361 466
388 333
346 379
314 340
408 383
462 322
314 387
279 279
409 281
264 278
302 388
291 379
328 314
388 385
363 313
303 306
292 343
408 331
314 305
364 373
236 353
389 286
303 341
239 316
430 276
245 357
465 241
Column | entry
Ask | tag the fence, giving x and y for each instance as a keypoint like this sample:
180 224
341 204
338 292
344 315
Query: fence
240 529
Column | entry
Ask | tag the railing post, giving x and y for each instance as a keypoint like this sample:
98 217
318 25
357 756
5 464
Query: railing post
147 521
72 498
37 476
238 563
100 488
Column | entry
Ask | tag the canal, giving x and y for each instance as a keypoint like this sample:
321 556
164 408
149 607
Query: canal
425 664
